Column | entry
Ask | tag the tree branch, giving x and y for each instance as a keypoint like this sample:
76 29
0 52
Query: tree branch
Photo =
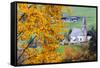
31 40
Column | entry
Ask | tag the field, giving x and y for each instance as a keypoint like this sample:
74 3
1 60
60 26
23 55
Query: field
89 13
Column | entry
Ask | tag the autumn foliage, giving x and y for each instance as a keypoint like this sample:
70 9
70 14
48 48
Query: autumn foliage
43 24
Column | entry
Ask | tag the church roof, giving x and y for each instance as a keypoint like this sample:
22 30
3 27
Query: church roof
76 32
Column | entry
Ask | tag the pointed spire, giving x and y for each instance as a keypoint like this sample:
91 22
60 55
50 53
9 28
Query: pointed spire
84 29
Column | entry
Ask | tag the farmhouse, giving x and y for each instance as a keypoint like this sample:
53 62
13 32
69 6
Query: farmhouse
70 19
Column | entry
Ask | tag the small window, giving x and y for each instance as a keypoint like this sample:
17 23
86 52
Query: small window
80 39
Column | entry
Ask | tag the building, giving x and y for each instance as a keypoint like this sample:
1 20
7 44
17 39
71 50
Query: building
77 36
71 19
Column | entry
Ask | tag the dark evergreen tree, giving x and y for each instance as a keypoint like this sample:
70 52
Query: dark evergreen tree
93 40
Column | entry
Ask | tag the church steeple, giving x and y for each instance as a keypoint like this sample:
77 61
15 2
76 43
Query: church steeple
84 29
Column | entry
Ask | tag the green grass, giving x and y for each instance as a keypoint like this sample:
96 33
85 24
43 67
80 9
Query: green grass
60 49
75 48
89 13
